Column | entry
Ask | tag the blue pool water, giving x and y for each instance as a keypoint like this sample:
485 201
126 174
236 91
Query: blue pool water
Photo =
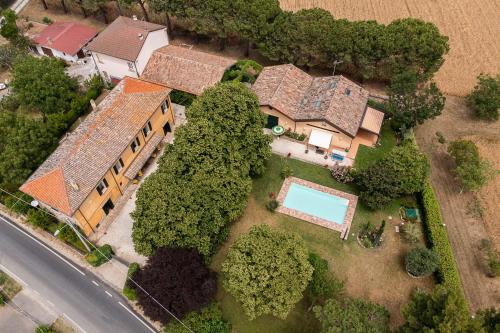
316 203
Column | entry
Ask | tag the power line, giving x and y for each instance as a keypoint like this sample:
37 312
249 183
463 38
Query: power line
107 258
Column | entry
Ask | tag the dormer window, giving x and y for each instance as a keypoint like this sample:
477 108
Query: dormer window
102 186
348 92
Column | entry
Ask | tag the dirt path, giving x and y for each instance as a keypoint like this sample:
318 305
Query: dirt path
464 230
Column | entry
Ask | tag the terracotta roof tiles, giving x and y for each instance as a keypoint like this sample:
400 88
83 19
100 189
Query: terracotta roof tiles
185 69
67 37
74 169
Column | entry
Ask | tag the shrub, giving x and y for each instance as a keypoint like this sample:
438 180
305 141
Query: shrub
296 136
471 170
243 71
322 285
100 255
67 234
208 320
441 138
421 261
370 236
411 232
2 299
40 218
272 205
182 98
128 288
436 234
485 98
342 174
286 170
15 203
381 106
492 258
47 20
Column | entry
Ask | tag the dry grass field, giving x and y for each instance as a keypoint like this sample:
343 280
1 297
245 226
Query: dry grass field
473 27
465 230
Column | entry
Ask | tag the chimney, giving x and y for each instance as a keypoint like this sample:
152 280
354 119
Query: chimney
134 17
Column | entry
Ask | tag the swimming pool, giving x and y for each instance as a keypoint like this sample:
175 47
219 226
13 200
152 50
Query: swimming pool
320 204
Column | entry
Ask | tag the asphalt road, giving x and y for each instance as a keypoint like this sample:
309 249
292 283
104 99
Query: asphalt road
89 304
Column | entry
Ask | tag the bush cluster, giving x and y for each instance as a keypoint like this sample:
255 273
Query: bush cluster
272 205
323 285
182 98
342 173
100 255
421 261
296 136
485 98
243 71
438 238
40 218
207 320
129 289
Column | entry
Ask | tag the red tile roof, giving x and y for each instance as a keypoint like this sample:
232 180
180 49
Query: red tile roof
123 38
73 170
67 37
301 97
185 69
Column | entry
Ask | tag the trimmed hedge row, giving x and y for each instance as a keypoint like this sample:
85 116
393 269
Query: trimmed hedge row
438 238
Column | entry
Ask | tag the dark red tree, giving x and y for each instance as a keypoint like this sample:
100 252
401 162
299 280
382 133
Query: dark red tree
178 279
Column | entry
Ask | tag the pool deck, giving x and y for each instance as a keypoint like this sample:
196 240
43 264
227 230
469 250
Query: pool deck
342 228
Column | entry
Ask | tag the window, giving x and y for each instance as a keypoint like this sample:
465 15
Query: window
164 107
147 129
135 144
102 186
131 66
118 166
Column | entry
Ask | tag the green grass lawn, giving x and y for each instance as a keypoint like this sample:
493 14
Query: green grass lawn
366 156
343 256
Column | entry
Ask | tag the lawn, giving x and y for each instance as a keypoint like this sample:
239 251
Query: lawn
366 156
374 274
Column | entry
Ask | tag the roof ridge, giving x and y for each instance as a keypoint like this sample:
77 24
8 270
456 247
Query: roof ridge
68 25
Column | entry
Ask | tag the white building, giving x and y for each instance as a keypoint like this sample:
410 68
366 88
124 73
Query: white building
124 47
64 40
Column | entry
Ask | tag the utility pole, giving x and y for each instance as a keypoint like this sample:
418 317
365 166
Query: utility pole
335 63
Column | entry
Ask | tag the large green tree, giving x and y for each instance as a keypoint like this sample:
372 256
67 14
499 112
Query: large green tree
412 102
42 84
353 316
402 172
414 44
485 98
267 271
203 180
24 145
233 110
442 311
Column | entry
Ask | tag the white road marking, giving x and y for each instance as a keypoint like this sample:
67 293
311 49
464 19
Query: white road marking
45 246
137 317
74 323
108 293
97 284
13 275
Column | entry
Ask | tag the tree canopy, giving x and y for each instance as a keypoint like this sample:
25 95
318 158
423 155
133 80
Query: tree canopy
207 320
267 271
203 180
24 145
472 171
353 316
442 311
485 98
401 172
411 102
178 279
42 84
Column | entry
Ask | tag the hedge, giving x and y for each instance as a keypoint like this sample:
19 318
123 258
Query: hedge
436 234
100 255
128 288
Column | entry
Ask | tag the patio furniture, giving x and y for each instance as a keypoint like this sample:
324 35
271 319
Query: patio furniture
278 130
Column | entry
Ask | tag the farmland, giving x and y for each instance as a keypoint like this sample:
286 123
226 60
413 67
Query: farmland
471 25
